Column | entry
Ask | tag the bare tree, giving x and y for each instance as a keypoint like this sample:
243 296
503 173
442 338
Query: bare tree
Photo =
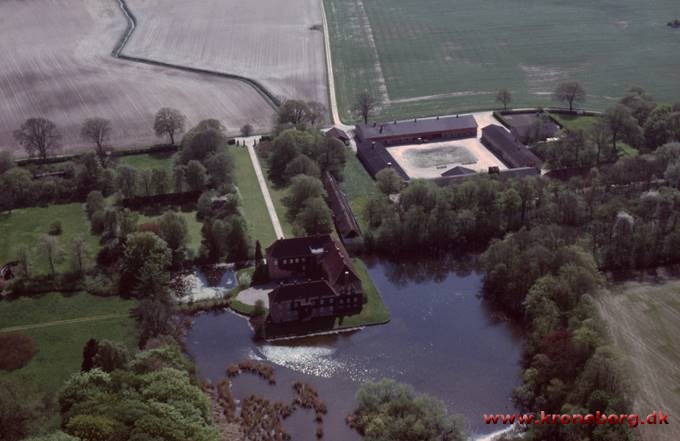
599 135
39 136
504 96
317 113
570 92
247 130
51 250
365 105
621 123
98 131
169 122
79 253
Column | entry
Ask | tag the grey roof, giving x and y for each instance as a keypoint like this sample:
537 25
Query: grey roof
416 127
458 171
503 144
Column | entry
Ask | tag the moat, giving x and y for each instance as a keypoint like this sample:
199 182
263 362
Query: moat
443 339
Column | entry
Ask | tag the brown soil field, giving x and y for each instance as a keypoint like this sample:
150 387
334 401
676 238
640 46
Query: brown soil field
267 40
57 63
644 320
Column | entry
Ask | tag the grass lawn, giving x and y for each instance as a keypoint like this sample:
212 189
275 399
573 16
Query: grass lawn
193 225
359 187
644 319
575 122
149 161
60 326
25 226
277 194
374 312
252 201
432 57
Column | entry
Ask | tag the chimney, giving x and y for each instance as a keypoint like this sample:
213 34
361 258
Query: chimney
395 121
437 117
415 120
381 129
373 145
374 124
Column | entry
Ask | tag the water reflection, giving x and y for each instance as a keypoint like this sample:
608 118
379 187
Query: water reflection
442 339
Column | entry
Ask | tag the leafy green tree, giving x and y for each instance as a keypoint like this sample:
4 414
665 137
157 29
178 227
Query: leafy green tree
238 240
95 202
640 104
315 217
389 181
6 161
302 188
154 318
160 181
89 352
657 127
302 165
144 266
330 154
174 231
110 356
285 148
196 176
621 124
202 141
169 122
127 181
220 167
388 411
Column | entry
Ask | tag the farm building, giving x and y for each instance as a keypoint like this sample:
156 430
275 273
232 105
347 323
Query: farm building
343 217
338 134
504 145
425 130
317 279
375 157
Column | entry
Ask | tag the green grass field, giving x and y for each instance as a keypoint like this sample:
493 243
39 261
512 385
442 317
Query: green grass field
60 326
252 201
194 226
427 57
374 312
359 187
149 161
25 226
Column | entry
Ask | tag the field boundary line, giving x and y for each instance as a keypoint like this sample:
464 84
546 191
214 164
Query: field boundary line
94 318
117 52
333 101
278 231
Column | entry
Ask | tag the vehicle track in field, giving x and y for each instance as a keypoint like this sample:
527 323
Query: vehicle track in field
94 318
117 52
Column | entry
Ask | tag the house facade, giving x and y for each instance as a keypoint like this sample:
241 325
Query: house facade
316 279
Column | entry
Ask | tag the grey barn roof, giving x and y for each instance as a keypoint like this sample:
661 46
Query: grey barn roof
416 127
503 144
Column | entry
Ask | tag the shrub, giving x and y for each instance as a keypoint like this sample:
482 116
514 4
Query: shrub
16 351
55 228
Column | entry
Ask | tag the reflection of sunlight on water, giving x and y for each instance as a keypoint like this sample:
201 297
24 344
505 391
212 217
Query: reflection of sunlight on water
310 360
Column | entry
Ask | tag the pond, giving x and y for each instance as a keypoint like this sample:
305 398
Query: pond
442 339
